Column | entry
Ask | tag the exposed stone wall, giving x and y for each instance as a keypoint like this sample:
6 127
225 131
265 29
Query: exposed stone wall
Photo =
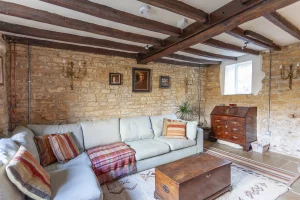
53 101
285 130
3 94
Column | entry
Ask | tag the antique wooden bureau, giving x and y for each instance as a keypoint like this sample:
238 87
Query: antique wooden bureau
235 124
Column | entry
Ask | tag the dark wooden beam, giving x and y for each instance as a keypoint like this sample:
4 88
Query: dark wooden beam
283 23
16 10
257 36
34 32
240 34
64 46
175 62
219 23
208 54
179 8
229 47
111 14
192 59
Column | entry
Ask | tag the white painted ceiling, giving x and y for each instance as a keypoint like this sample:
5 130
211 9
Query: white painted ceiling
260 25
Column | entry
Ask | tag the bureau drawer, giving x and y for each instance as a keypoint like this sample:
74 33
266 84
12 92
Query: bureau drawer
236 138
236 129
221 134
218 120
235 121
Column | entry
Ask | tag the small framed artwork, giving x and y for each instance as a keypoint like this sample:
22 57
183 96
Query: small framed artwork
1 71
115 79
164 81
141 80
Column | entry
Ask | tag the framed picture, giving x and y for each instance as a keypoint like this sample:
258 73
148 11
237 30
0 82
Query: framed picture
115 79
1 71
164 81
141 80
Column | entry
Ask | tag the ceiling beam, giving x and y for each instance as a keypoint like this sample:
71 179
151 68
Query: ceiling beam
179 8
257 36
16 10
208 54
64 46
218 24
111 14
65 37
192 59
229 47
283 23
175 62
240 34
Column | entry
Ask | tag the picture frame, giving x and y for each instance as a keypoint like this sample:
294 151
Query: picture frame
1 71
115 79
164 82
141 80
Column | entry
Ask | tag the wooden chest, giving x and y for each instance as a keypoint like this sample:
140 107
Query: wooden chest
235 124
197 177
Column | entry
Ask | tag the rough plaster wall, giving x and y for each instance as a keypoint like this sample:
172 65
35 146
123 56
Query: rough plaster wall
53 102
3 95
285 137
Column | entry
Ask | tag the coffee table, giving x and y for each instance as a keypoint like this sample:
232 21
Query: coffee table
197 177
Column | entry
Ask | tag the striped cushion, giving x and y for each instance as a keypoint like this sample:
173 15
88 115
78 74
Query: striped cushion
28 175
176 130
166 121
43 146
64 147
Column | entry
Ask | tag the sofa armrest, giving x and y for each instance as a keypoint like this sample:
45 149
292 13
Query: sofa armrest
199 140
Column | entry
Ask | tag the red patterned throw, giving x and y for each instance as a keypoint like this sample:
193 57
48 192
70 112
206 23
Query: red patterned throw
112 161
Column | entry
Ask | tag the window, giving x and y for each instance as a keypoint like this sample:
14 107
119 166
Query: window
238 78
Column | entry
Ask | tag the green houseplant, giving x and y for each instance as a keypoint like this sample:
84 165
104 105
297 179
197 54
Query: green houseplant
184 110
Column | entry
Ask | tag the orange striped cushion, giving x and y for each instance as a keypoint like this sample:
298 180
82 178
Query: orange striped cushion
43 146
176 130
166 121
28 175
64 147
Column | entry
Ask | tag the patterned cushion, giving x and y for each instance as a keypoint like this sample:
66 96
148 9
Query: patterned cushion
43 146
164 132
28 175
176 129
64 147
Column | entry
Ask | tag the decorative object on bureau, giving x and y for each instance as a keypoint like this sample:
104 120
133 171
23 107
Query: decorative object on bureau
141 80
200 176
184 110
292 74
235 124
1 71
164 81
115 79
70 72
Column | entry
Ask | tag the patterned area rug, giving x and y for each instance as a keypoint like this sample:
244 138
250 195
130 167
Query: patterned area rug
247 185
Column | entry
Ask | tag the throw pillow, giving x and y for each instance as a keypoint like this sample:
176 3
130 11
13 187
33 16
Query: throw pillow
166 121
28 175
176 130
43 146
64 147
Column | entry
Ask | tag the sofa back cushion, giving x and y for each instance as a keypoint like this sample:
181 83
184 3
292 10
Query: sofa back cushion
98 133
75 129
158 122
137 128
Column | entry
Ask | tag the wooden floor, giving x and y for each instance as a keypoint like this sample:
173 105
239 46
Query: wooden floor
270 158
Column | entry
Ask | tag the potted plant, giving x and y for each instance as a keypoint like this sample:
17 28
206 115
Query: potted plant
184 110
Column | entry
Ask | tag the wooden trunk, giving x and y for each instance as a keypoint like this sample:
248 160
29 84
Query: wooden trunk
197 177
235 124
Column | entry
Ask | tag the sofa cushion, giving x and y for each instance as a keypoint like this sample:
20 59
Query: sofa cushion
82 159
24 136
39 130
98 133
176 144
8 190
137 128
191 130
77 182
158 122
148 148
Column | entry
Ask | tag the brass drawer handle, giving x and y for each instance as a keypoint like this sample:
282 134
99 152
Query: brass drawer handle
218 126
165 188
235 122
226 126
235 129
218 133
217 120
208 175
234 137
226 133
